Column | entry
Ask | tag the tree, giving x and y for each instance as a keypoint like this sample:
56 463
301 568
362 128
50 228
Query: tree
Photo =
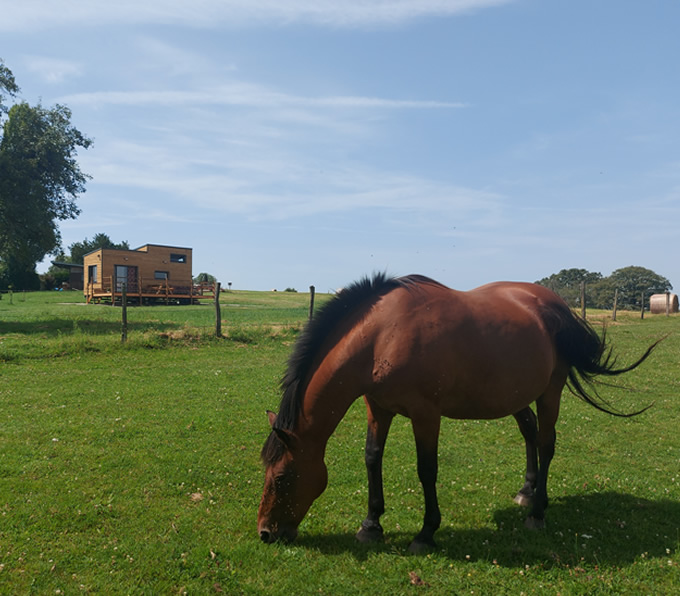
567 284
39 182
632 283
79 249
205 278
7 85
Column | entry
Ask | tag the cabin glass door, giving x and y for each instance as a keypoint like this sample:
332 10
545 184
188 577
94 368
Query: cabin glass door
126 274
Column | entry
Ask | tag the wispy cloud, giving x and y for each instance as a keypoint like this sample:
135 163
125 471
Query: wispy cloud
243 94
156 55
34 14
52 70
282 187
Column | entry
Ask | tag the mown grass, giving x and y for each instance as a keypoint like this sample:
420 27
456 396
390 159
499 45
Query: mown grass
42 324
134 469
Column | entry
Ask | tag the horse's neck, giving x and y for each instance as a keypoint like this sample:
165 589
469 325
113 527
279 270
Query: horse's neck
332 389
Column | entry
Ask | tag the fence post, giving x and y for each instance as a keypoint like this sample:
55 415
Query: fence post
311 301
218 312
616 300
668 303
642 305
123 337
583 299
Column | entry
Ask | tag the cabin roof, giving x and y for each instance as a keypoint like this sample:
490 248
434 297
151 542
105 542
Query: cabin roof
139 249
67 265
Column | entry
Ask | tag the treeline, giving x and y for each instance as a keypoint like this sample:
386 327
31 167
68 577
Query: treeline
634 284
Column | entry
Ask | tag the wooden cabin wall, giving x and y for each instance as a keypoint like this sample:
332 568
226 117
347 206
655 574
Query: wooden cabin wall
148 259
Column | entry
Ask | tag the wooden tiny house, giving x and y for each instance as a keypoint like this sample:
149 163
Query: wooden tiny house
150 273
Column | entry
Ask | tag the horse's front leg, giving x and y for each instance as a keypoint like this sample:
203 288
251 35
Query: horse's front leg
526 419
426 432
379 421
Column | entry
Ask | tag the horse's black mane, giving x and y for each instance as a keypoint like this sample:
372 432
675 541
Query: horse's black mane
310 342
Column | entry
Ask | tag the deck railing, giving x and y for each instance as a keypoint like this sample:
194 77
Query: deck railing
149 289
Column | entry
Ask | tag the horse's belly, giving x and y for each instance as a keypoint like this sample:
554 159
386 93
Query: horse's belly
496 392
478 407
479 388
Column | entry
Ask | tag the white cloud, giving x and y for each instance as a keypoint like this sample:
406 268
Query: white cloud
280 187
244 94
53 70
41 14
173 60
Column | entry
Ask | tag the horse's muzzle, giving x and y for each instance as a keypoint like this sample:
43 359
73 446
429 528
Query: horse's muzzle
283 534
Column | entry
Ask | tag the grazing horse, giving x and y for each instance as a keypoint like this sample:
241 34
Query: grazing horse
414 347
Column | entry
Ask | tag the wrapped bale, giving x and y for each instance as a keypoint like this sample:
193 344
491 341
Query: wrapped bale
657 303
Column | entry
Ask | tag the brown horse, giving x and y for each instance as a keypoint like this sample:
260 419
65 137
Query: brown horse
414 347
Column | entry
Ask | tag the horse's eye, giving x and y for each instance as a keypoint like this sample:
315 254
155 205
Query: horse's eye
282 481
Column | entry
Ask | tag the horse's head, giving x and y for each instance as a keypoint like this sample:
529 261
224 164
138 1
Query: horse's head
295 476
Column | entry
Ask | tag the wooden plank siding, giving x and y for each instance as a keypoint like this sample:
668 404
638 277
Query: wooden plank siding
152 273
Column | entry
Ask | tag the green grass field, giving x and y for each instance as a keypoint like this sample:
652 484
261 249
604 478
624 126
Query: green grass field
134 468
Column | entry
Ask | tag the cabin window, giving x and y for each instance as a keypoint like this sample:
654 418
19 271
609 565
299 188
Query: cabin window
92 274
160 275
178 258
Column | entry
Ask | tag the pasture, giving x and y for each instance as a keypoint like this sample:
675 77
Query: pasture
134 468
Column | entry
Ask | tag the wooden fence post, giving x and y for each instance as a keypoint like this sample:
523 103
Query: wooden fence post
218 312
311 301
583 299
668 303
616 300
642 305
123 337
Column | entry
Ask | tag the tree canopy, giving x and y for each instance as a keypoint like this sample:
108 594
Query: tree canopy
205 278
567 283
79 249
40 181
630 282
7 85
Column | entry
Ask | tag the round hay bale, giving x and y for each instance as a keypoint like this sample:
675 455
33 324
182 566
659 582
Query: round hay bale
657 304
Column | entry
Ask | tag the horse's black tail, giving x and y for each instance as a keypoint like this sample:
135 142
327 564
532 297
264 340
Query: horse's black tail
589 356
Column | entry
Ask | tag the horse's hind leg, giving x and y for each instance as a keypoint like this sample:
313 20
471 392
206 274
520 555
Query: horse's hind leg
548 407
526 419
379 421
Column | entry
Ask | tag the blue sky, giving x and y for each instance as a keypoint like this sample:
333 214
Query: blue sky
295 142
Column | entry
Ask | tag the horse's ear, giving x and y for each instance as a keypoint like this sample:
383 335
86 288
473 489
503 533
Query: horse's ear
286 437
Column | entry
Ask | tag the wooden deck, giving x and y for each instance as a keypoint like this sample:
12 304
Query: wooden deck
149 292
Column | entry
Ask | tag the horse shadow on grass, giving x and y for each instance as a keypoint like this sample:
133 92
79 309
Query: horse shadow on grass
607 528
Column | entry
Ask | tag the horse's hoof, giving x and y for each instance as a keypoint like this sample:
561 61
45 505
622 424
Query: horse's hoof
369 535
534 523
523 500
418 547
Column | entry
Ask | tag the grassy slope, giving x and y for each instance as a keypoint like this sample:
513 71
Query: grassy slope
134 469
